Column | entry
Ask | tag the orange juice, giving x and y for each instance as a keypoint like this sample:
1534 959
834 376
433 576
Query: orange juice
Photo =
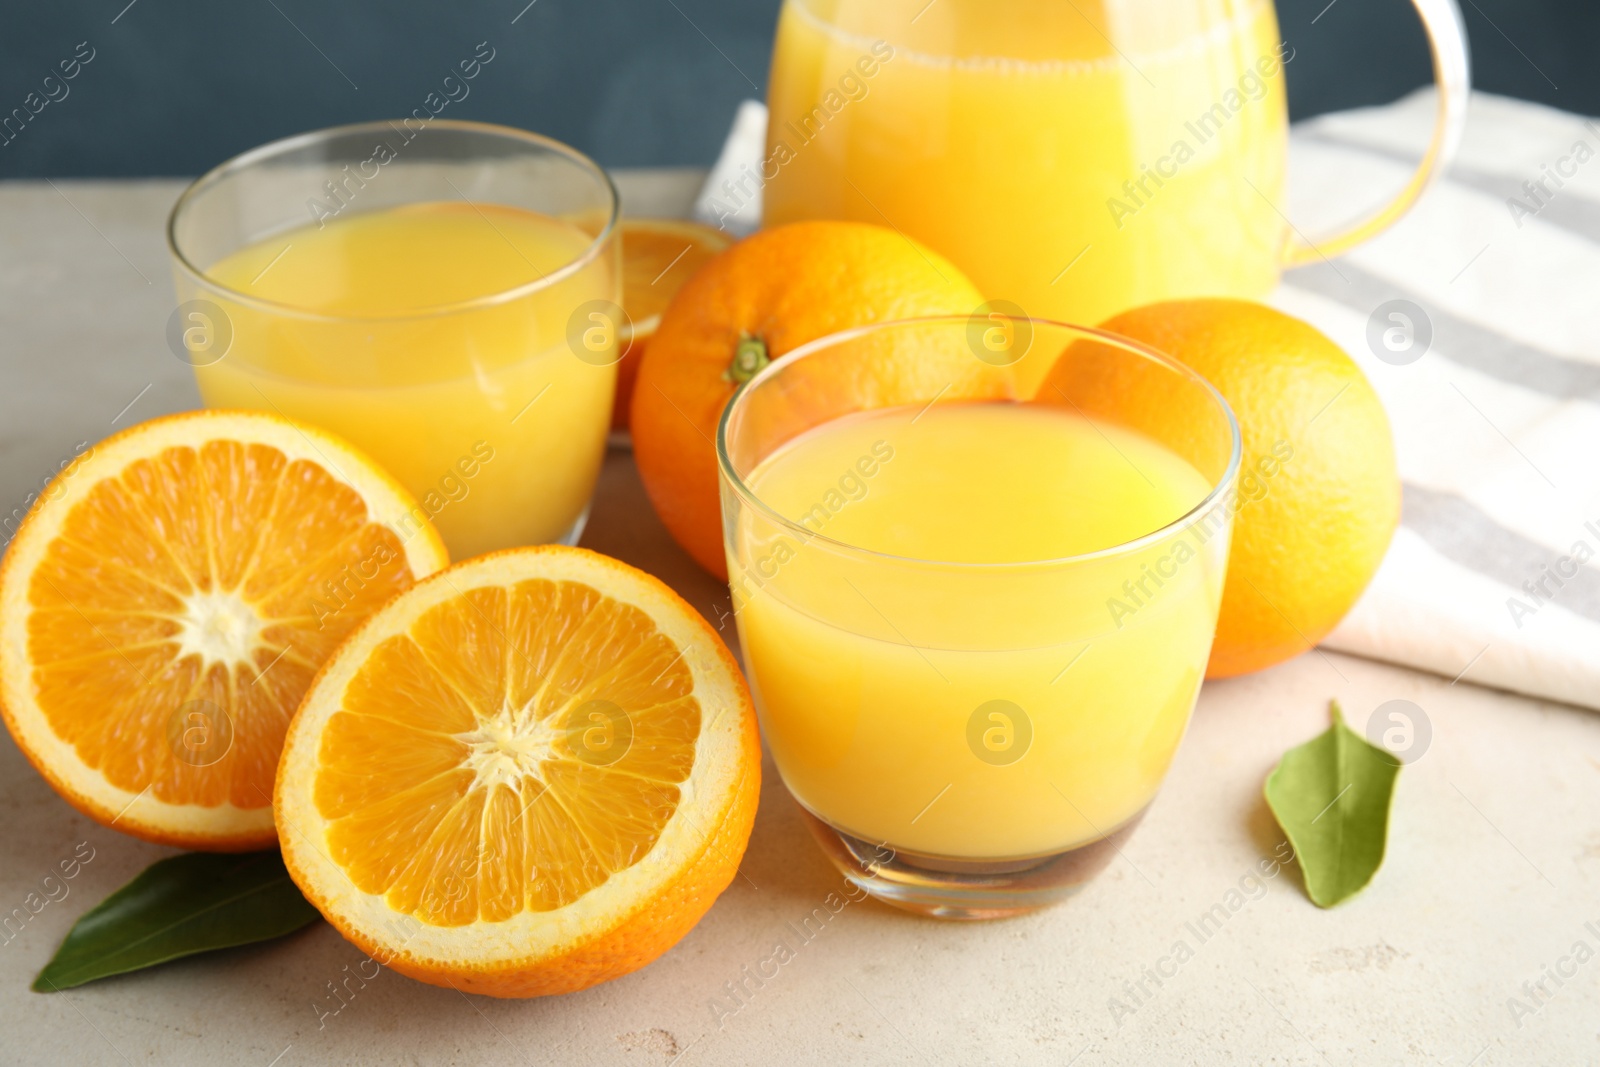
421 334
990 705
1076 159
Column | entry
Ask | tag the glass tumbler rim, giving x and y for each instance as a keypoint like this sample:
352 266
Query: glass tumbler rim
751 499
295 142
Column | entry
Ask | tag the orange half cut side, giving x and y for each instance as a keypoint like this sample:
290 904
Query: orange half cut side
530 773
167 601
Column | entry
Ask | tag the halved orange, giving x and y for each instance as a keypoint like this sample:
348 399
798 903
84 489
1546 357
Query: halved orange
530 773
658 256
169 597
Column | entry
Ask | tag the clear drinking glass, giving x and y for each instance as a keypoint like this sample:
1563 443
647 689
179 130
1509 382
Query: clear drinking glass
972 739
445 296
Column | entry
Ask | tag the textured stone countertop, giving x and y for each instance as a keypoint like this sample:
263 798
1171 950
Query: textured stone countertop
1493 873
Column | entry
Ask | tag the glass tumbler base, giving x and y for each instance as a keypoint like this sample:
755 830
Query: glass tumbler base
575 531
946 888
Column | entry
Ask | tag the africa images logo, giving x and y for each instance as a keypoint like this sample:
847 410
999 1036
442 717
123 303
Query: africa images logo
1251 86
1553 577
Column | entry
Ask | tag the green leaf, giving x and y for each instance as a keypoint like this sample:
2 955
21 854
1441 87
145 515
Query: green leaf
179 906
1331 795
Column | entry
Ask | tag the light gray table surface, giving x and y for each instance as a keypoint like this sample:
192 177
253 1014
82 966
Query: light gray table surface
1493 872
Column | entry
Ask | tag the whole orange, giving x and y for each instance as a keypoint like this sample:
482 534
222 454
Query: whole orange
658 256
1319 495
765 296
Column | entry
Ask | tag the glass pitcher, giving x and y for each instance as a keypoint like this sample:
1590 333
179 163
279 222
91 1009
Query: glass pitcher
1074 157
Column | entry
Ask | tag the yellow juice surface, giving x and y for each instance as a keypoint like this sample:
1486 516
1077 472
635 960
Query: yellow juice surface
1076 159
378 329
993 706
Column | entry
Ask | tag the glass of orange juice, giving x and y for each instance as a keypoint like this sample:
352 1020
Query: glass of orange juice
1075 159
976 620
443 295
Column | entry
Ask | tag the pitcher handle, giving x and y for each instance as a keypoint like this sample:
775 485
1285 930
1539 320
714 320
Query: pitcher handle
1447 39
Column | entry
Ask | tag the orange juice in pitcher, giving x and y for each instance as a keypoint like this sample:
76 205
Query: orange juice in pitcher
1073 159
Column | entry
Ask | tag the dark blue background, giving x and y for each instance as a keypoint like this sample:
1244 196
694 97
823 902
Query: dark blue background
179 85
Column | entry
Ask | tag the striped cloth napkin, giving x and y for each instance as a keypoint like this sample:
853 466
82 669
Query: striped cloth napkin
1474 317
1494 575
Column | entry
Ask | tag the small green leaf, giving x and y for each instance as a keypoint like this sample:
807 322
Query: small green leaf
179 906
1331 796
